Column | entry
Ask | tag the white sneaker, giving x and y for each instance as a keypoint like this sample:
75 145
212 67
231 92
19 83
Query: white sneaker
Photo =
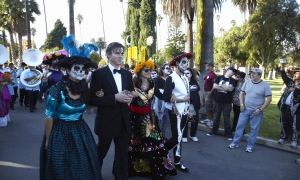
195 139
294 144
209 124
184 140
204 121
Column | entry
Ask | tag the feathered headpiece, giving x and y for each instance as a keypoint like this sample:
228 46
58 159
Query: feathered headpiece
71 46
79 55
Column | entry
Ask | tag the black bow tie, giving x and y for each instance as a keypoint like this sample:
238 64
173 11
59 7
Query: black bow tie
115 70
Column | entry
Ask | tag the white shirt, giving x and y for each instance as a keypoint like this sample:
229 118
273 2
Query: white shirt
117 77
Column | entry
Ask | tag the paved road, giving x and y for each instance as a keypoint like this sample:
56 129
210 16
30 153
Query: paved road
208 159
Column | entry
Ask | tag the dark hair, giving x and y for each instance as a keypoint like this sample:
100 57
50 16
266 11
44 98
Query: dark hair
155 71
193 73
137 80
161 70
11 64
126 66
241 74
132 67
113 46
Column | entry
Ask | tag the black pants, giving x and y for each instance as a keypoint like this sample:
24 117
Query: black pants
218 109
176 140
120 164
194 123
287 121
23 96
16 92
32 98
236 115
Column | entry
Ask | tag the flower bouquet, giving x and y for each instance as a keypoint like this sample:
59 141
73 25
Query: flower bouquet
5 77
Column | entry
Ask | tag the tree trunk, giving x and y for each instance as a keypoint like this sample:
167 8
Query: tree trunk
12 48
20 47
262 63
189 40
4 38
207 43
207 35
71 17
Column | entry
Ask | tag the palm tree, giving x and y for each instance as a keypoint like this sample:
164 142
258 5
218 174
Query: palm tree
222 31
80 19
102 22
45 17
33 33
101 44
186 9
245 4
233 22
121 1
15 15
159 19
218 19
71 17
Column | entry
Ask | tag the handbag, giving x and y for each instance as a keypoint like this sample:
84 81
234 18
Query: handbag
192 110
174 109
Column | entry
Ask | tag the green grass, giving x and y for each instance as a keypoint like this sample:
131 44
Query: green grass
270 127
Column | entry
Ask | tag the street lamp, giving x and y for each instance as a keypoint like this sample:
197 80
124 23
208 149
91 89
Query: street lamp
149 43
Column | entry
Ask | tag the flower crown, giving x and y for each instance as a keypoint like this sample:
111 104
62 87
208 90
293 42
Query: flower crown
147 64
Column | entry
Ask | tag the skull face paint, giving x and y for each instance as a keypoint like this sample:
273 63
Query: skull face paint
183 64
187 74
153 74
77 71
167 70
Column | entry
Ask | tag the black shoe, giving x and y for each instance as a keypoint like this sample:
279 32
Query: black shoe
26 105
41 101
31 110
35 108
21 104
12 108
181 167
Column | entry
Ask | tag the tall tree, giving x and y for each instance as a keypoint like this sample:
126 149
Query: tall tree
100 43
55 36
245 5
159 19
71 17
80 19
272 25
33 33
175 41
141 23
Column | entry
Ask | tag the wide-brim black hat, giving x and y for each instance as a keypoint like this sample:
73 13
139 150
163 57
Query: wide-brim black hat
178 57
49 57
69 61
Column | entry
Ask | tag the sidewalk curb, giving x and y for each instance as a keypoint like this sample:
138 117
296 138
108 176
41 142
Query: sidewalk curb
259 141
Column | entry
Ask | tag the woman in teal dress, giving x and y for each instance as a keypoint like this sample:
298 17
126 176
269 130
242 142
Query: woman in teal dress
147 154
68 150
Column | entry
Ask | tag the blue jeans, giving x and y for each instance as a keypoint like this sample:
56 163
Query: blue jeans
255 122
163 122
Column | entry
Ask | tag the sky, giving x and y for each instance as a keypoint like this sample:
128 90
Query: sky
113 16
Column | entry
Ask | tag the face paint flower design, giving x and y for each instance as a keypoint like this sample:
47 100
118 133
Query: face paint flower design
153 74
187 74
183 64
77 71
167 70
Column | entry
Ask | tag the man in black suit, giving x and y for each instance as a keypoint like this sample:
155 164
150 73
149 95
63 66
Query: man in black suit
109 92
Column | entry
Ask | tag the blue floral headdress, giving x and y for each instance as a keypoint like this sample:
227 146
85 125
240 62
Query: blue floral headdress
71 46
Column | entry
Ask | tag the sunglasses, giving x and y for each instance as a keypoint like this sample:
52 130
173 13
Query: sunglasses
147 70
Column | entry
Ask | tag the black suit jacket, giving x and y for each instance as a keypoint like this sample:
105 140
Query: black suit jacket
111 113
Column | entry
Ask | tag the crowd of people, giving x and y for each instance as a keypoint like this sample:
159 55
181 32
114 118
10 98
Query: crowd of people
135 106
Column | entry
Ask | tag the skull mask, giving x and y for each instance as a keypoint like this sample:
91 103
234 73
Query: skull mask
167 70
187 74
153 74
77 71
183 64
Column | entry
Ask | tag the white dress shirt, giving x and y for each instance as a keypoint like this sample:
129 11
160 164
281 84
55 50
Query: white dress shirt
117 77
